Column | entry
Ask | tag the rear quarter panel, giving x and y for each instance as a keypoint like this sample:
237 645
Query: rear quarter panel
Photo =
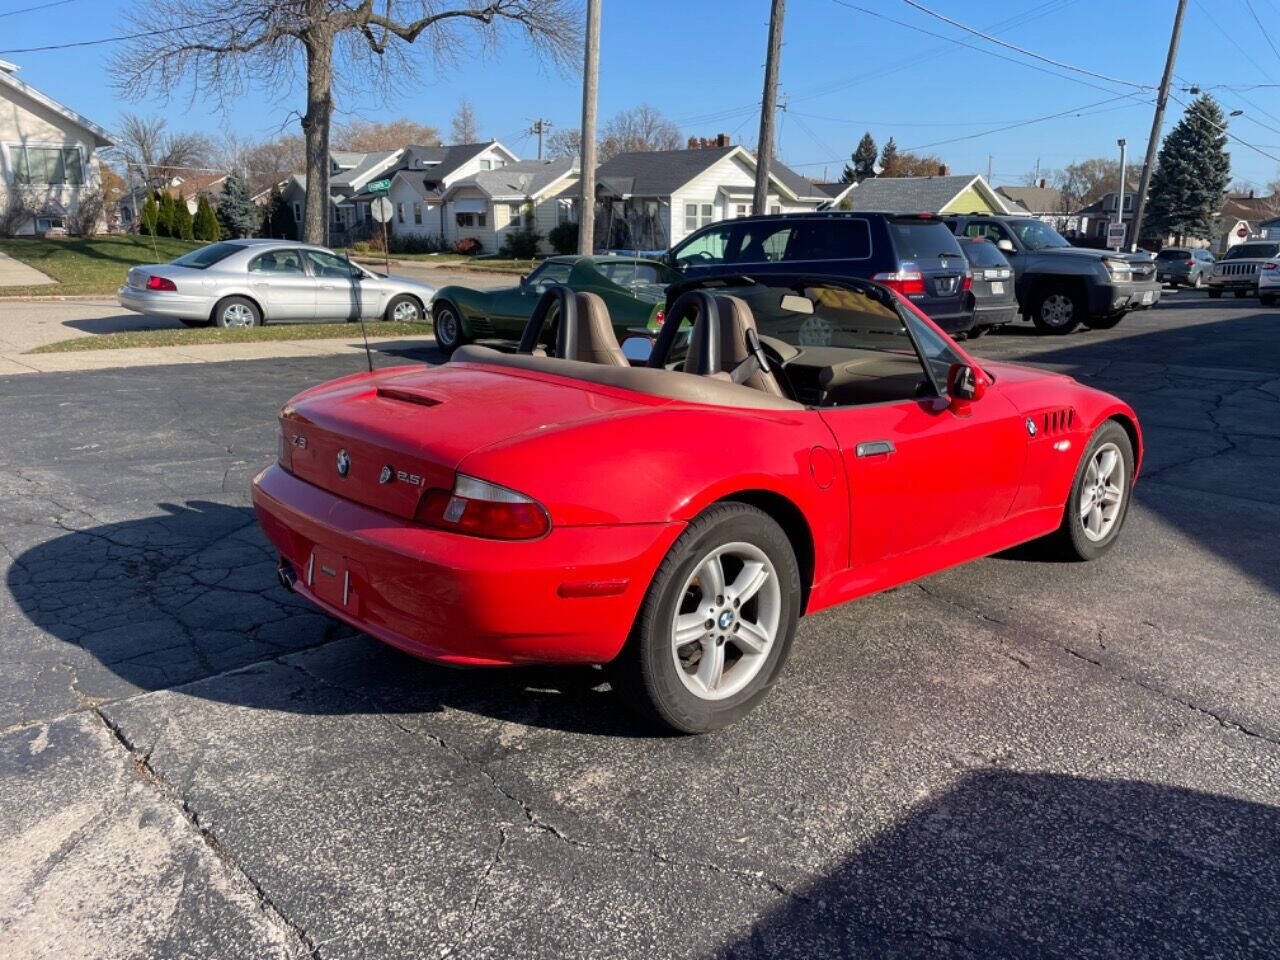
669 463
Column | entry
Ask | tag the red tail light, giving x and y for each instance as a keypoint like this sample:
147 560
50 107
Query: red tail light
161 283
967 285
483 509
1191 263
906 282
1271 265
660 318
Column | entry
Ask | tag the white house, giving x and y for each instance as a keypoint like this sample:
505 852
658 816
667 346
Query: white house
651 200
48 158
420 186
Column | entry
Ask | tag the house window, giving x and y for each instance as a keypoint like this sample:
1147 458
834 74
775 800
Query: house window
516 215
46 166
471 219
486 164
45 224
740 210
417 212
297 212
691 216
399 213
708 214
567 210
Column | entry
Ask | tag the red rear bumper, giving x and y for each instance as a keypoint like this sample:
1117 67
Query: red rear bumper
569 597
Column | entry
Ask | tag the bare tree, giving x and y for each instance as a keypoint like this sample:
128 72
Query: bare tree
362 136
271 161
464 128
1088 181
148 151
638 129
262 41
564 142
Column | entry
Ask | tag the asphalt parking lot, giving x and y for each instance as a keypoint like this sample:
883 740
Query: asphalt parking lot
1016 758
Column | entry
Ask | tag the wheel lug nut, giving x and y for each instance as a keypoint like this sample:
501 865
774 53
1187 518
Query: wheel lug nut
719 641
710 624
719 601
736 603
736 626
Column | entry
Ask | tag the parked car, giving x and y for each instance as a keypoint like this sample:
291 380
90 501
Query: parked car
821 440
1184 266
245 283
994 301
1237 269
632 289
1269 282
913 254
1060 286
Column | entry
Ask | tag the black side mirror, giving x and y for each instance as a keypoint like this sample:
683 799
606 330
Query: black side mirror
524 281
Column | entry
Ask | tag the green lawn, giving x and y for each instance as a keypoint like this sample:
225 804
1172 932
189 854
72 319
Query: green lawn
87 265
185 336
490 264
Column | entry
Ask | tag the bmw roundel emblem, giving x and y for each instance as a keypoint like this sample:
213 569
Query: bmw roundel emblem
344 463
387 475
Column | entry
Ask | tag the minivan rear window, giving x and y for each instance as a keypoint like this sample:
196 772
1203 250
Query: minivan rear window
923 239
207 256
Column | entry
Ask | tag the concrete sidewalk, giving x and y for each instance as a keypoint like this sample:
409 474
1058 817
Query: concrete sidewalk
15 273
17 363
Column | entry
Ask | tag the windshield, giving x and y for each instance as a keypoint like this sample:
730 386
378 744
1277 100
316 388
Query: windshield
207 256
1037 235
1252 251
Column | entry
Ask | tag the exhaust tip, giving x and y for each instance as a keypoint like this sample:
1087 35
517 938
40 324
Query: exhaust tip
284 571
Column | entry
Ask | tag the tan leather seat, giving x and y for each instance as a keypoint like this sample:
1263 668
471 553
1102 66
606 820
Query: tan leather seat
593 338
731 338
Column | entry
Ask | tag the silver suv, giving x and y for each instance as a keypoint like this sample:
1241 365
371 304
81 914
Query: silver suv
1238 269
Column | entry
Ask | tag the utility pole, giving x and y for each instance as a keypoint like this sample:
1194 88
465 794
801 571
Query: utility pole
540 127
988 169
768 108
587 180
1162 99
1120 198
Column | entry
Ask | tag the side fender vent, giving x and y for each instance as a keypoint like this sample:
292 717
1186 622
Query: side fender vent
1060 420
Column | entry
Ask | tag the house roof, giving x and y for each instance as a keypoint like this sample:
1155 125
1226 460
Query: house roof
443 159
916 194
832 189
368 168
525 178
195 185
1034 199
7 79
659 173
1250 208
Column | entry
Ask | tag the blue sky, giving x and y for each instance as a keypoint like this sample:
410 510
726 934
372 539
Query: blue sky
843 72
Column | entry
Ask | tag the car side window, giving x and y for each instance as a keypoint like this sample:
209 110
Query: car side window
764 243
547 274
328 265
987 230
709 248
277 261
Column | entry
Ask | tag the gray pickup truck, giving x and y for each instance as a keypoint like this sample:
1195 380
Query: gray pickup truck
1060 286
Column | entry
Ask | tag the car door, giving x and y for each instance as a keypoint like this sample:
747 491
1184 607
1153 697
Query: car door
920 473
511 308
338 295
284 289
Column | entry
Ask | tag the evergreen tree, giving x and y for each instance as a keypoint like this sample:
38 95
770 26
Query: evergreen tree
1192 171
206 223
236 211
164 218
889 161
149 219
277 217
864 161
183 225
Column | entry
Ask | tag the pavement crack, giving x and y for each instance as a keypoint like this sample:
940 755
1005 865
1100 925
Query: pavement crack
301 943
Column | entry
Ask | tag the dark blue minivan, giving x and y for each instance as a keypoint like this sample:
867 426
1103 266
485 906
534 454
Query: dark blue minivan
914 254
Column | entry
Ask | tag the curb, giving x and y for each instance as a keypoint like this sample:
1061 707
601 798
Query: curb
55 298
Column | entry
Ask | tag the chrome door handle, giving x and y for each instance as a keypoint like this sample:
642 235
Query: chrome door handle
261 283
874 448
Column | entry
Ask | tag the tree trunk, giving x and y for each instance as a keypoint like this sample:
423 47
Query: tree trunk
315 128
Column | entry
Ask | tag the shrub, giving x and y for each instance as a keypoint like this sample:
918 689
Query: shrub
563 238
521 244
183 225
164 218
89 215
411 244
205 227
468 246
149 219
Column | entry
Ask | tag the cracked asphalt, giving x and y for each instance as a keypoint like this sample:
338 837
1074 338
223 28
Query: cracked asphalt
1016 758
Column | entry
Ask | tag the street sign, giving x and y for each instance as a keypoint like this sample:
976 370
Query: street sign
379 186
1116 235
381 209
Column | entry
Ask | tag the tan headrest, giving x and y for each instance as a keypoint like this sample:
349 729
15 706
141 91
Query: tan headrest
595 341
731 338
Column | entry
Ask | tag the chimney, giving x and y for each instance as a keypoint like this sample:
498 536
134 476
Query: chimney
1250 193
1043 183
723 140
943 170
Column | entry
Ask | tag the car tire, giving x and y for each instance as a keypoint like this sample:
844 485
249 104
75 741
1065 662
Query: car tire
404 309
1215 294
236 313
1268 300
447 321
1091 520
1104 323
1058 309
1198 281
975 332
692 678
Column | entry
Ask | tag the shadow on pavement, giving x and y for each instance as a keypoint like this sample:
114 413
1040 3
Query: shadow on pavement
1037 865
191 593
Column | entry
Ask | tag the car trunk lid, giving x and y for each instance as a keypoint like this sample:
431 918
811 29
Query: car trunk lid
383 440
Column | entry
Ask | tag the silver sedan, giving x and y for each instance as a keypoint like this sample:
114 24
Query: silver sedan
245 283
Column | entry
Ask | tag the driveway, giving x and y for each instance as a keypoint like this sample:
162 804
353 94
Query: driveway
1015 758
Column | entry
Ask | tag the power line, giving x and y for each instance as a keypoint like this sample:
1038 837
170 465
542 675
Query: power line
1231 135
1266 36
1076 111
39 6
122 37
1023 50
1235 43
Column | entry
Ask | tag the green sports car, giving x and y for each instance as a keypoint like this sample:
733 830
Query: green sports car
633 289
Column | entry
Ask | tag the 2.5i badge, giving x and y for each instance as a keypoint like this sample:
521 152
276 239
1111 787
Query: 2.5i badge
390 473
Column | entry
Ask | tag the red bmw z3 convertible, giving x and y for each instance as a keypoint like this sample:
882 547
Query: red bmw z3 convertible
790 443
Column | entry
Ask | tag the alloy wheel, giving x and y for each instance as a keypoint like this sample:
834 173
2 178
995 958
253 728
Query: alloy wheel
727 621
406 311
237 315
1057 310
1102 493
